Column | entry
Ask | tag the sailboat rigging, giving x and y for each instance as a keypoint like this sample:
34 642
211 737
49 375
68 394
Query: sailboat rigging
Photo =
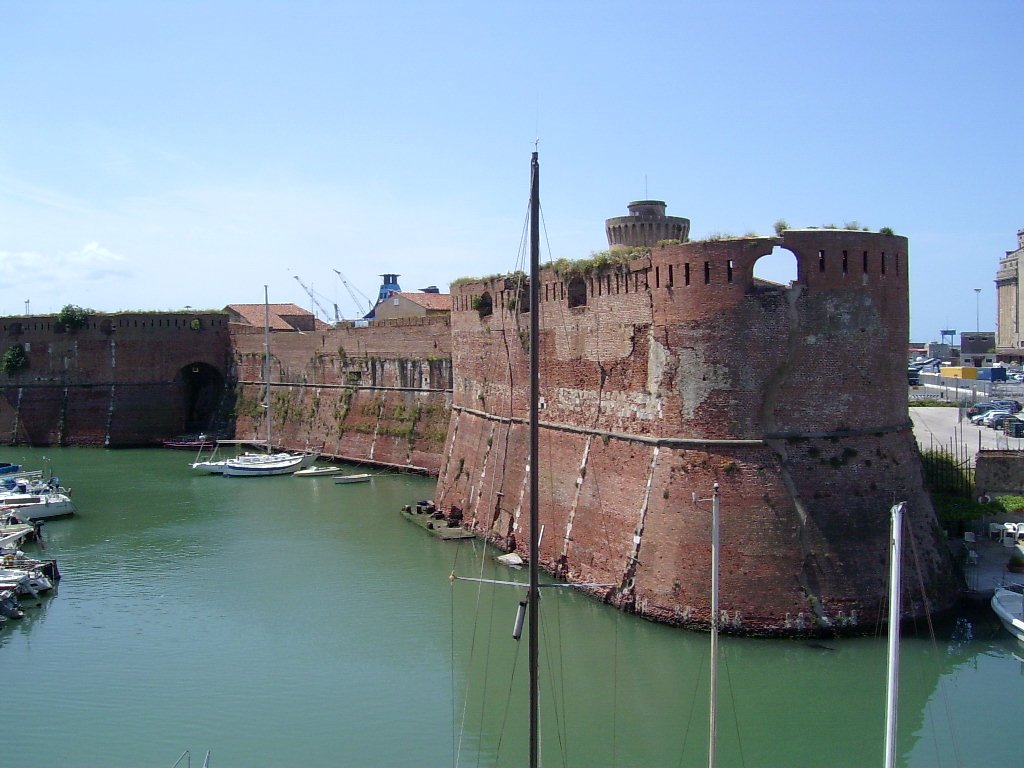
529 608
258 464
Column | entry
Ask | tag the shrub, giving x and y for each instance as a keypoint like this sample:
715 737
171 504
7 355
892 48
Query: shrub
781 226
73 317
15 359
886 231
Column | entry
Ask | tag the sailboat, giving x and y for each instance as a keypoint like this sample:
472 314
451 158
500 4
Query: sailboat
267 464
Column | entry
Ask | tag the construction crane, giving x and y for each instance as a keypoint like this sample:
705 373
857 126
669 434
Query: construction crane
313 297
352 292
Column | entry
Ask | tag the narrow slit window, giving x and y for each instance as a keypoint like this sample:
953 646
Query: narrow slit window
729 267
882 265
865 262
669 284
821 261
707 273
846 262
897 263
686 273
657 277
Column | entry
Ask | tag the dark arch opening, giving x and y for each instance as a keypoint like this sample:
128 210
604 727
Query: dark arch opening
577 292
778 267
523 302
202 387
484 305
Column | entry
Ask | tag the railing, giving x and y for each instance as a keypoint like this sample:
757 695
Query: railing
187 757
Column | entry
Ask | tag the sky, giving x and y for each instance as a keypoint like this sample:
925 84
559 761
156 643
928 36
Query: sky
163 155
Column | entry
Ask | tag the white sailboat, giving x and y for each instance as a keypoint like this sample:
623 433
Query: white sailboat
267 464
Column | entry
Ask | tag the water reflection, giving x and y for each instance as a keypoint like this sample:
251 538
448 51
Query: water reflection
280 621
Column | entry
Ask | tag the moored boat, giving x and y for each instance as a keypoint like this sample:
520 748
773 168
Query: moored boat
315 471
190 442
432 520
1009 607
37 506
360 478
263 466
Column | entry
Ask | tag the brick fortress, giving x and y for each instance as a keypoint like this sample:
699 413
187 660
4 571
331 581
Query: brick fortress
660 376
663 375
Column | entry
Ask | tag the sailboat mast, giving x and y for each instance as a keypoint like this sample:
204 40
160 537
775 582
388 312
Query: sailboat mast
713 703
534 591
266 363
893 674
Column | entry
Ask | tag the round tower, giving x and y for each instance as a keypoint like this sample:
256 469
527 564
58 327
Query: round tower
645 225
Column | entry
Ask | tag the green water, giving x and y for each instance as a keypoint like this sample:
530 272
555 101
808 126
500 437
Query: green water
292 622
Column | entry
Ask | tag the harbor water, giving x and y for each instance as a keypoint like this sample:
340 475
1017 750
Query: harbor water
295 622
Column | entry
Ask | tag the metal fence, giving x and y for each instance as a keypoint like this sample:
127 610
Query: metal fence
949 467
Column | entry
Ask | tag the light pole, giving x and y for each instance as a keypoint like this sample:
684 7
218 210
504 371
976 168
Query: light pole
977 309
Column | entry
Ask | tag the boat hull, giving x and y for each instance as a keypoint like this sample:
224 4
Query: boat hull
346 479
1008 606
269 468
38 507
317 471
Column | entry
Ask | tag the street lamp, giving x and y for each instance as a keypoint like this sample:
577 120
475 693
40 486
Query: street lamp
977 309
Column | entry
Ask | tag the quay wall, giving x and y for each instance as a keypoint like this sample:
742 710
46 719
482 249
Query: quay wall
667 375
378 394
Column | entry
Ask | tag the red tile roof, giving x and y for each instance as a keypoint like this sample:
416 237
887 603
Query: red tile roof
254 314
430 301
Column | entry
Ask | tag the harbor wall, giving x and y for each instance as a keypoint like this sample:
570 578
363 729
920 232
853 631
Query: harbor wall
669 374
120 380
377 394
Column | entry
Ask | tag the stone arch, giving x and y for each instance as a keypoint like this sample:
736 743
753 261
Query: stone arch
201 387
780 267
577 292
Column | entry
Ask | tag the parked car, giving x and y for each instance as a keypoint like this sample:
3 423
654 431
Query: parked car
999 420
991 416
982 417
979 409
1010 405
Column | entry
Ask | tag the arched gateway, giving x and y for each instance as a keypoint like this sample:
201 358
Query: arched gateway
200 387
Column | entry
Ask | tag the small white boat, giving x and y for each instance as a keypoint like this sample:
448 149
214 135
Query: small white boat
37 506
317 471
343 479
1009 607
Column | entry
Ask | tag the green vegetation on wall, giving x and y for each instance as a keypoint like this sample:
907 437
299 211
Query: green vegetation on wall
73 317
15 359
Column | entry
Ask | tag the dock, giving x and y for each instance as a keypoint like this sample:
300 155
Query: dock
985 566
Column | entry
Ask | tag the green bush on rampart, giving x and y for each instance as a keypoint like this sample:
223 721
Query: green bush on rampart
15 359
